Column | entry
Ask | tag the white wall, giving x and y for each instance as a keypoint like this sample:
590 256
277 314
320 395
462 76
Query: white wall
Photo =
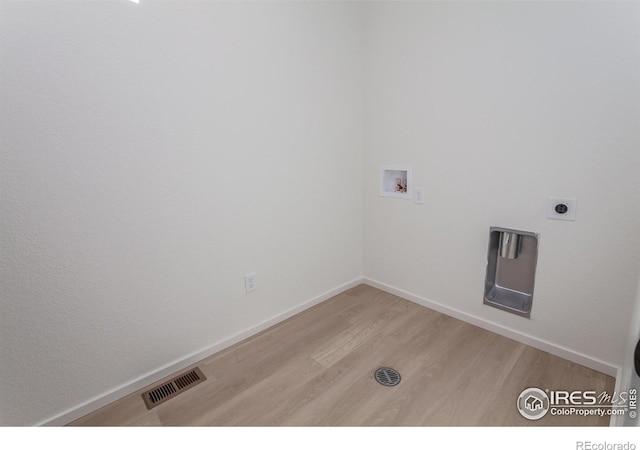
153 154
499 106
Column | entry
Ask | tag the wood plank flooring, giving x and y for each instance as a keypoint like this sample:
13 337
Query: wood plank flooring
316 369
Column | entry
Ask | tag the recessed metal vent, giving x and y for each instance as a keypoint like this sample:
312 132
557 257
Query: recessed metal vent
387 376
173 387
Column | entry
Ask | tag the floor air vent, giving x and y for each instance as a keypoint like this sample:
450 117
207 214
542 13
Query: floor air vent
173 387
387 376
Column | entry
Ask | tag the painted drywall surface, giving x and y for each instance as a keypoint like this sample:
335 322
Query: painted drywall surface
499 106
151 156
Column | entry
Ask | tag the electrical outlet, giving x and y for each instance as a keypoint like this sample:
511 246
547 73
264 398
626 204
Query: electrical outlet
250 282
562 208
418 195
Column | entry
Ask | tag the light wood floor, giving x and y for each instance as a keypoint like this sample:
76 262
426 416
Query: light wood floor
317 369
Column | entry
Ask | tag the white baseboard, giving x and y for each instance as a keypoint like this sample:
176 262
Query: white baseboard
182 363
621 386
541 344
175 366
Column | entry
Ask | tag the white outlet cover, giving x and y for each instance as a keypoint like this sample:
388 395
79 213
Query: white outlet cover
418 195
556 202
250 284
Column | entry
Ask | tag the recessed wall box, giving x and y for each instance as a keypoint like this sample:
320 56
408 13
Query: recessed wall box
396 181
511 270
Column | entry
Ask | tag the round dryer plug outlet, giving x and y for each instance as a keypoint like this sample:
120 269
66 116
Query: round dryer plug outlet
562 208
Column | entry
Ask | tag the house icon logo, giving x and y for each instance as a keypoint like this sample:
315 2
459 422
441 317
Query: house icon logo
533 403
